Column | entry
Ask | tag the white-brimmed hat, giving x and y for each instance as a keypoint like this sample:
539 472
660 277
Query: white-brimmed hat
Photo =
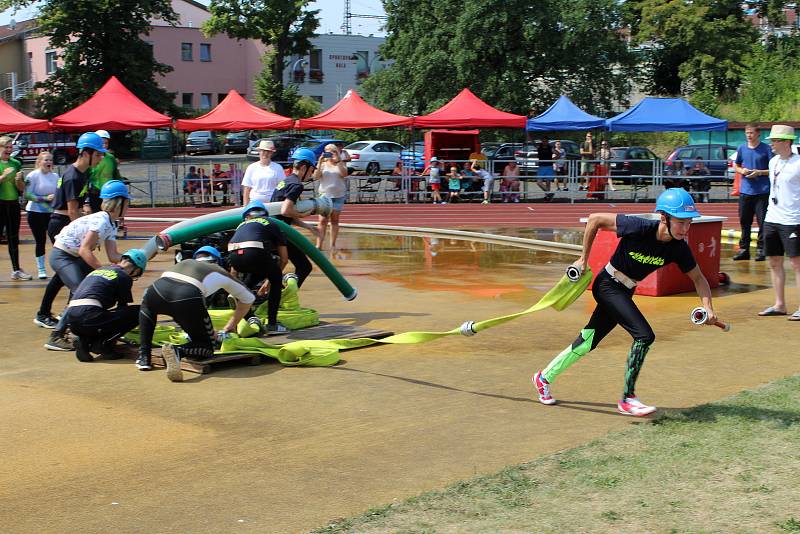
781 131
266 144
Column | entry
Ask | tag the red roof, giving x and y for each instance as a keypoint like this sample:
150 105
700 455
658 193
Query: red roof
112 107
236 113
468 111
12 120
352 112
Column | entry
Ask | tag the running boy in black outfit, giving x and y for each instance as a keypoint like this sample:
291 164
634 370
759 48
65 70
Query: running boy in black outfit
644 247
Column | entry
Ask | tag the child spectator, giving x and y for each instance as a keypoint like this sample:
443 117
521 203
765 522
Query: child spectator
434 172
453 183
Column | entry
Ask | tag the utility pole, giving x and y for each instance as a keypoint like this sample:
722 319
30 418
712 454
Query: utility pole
347 25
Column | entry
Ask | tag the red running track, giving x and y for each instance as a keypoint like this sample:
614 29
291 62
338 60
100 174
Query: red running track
466 216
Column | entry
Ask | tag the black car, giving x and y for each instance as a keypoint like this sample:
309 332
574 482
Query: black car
202 141
528 155
634 164
238 142
284 144
500 155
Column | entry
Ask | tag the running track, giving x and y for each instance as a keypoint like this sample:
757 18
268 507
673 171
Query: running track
467 216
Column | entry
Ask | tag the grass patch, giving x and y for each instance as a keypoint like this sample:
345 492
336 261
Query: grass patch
729 466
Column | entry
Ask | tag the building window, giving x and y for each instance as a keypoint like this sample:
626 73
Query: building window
221 97
205 100
315 74
186 51
50 62
205 52
188 100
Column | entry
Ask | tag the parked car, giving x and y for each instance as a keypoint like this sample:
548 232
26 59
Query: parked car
501 154
316 145
635 164
202 141
716 157
284 144
528 155
373 157
238 142
26 146
731 172
413 157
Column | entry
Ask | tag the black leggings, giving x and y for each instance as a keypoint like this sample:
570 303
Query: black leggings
38 222
615 306
10 216
97 325
302 265
71 270
257 264
187 306
54 226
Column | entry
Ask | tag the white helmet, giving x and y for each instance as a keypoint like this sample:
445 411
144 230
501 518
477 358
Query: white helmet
104 134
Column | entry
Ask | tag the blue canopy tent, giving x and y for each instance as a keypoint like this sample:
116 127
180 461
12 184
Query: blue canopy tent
664 115
564 115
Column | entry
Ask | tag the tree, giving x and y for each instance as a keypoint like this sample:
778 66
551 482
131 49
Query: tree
97 39
515 54
284 26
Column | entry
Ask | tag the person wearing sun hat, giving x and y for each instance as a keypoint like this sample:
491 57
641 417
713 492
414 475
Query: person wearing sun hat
782 223
262 176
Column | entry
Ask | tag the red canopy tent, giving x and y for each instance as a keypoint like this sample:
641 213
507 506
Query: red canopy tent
236 113
352 112
112 107
12 120
468 111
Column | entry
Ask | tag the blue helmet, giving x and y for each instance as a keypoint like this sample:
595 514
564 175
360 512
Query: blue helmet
113 189
678 203
91 140
304 154
253 205
208 249
137 257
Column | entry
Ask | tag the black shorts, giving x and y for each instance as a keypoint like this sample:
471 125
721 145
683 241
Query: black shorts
781 239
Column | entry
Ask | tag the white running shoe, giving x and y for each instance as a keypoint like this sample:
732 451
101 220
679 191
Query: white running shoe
173 363
542 388
20 275
633 406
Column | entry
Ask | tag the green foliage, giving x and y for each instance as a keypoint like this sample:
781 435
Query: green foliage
285 26
516 55
98 39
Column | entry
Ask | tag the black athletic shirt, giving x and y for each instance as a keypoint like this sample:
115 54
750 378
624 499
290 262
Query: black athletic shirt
71 186
291 187
639 253
259 229
110 285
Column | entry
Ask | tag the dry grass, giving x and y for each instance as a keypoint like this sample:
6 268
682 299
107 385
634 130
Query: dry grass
726 467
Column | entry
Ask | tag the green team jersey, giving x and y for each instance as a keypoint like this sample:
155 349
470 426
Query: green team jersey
106 170
8 189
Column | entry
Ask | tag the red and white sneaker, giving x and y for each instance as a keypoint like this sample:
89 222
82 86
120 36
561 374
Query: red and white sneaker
542 388
633 406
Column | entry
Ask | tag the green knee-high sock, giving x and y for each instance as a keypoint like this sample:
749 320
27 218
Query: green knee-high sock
639 350
570 355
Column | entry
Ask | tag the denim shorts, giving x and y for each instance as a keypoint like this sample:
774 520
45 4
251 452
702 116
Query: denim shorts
338 203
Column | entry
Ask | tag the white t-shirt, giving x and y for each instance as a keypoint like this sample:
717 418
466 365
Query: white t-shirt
784 179
332 184
71 236
40 184
262 180
435 176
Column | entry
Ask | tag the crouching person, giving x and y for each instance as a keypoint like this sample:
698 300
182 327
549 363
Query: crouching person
91 314
181 294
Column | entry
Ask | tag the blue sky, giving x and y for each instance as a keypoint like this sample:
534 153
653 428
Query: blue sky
331 15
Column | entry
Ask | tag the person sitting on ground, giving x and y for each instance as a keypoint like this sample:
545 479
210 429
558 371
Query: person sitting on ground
90 315
701 186
181 293
191 183
453 184
488 180
509 186
258 250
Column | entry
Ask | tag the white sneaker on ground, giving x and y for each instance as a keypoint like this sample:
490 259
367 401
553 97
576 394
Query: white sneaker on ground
173 363
542 388
20 275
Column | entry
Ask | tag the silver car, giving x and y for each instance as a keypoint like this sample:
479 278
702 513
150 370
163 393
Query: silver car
373 157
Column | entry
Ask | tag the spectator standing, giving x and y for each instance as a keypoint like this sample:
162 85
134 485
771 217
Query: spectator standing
453 183
560 165
488 180
40 188
107 169
434 172
331 172
263 176
752 162
545 173
782 222
11 186
509 187
587 163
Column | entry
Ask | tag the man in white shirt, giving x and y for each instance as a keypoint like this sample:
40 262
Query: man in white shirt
782 223
263 176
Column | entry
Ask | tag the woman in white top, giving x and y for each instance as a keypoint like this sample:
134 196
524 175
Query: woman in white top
73 257
40 187
331 173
